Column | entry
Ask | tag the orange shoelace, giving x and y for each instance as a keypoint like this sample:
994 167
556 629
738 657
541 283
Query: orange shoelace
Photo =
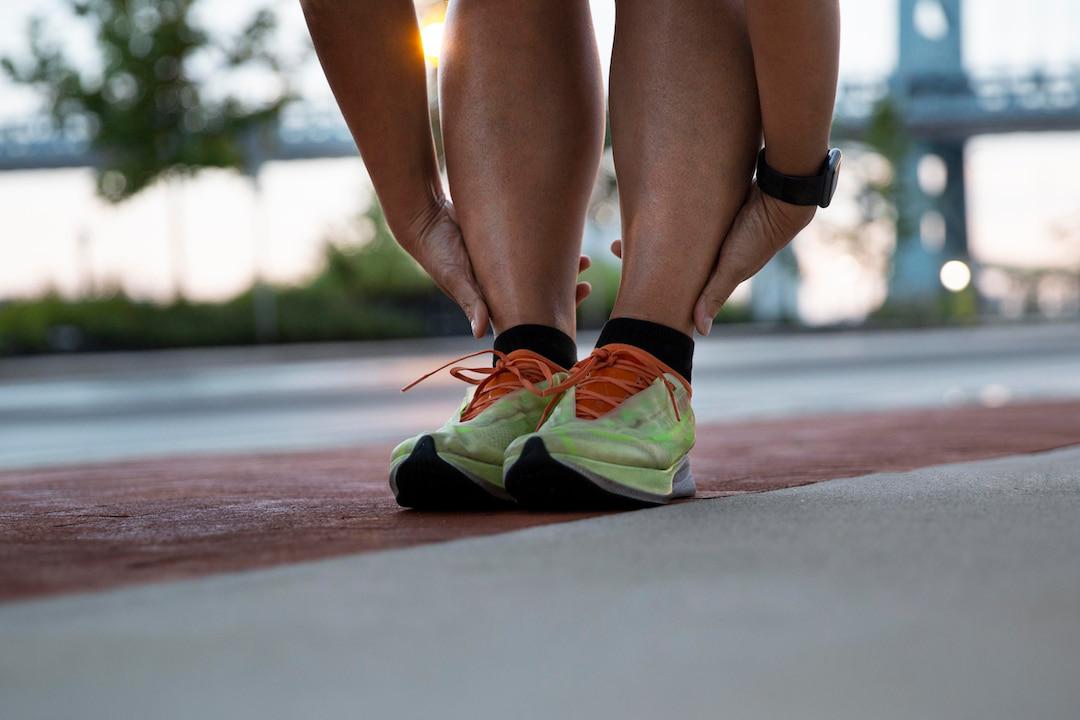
610 375
511 372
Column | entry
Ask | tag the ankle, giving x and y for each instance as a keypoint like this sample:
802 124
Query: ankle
660 313
565 321
544 340
669 345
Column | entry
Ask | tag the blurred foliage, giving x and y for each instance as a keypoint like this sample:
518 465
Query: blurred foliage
882 198
117 322
373 266
952 308
147 116
370 289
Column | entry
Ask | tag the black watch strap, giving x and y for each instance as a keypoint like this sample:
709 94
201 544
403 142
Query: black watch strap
795 189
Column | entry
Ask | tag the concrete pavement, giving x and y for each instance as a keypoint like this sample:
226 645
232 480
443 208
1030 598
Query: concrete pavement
951 591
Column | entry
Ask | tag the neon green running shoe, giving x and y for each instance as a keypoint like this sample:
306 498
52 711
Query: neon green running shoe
460 465
620 436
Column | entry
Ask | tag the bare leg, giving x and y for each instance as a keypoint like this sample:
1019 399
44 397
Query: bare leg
685 132
522 111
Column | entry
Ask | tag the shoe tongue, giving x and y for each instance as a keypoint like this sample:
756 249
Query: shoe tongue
595 384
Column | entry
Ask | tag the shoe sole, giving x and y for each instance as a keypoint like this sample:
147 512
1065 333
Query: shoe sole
425 481
542 482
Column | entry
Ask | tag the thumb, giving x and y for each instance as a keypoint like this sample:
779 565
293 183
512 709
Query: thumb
725 278
442 253
733 265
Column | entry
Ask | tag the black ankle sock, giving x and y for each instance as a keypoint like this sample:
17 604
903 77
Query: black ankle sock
668 345
555 345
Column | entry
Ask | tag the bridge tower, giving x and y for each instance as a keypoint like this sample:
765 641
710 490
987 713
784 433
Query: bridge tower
933 229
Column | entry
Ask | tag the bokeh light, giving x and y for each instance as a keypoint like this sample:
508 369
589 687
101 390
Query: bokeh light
955 275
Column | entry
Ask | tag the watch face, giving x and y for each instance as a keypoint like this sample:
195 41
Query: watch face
832 176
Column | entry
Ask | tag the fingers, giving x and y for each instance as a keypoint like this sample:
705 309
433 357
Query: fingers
441 251
741 255
581 292
719 288
462 287
616 248
583 288
480 320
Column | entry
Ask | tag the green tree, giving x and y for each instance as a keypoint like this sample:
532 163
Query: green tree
146 113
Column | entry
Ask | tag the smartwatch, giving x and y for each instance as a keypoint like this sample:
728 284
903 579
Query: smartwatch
800 190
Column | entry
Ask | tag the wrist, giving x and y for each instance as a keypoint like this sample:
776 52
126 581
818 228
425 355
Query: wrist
800 160
410 222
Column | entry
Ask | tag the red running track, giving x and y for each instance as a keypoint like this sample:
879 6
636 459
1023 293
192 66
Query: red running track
98 526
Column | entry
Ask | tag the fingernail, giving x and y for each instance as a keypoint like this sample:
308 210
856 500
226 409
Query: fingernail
708 325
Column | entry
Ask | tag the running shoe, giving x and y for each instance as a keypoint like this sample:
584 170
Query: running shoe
620 435
460 465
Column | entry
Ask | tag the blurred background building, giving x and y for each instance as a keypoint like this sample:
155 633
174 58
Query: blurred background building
250 218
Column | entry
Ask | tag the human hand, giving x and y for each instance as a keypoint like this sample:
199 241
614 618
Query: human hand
763 226
439 247
437 244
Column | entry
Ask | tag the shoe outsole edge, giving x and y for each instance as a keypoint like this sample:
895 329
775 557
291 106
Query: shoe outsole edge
425 481
539 481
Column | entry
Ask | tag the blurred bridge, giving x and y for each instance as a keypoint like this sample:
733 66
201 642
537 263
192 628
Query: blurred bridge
305 131
949 107
940 105
940 111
